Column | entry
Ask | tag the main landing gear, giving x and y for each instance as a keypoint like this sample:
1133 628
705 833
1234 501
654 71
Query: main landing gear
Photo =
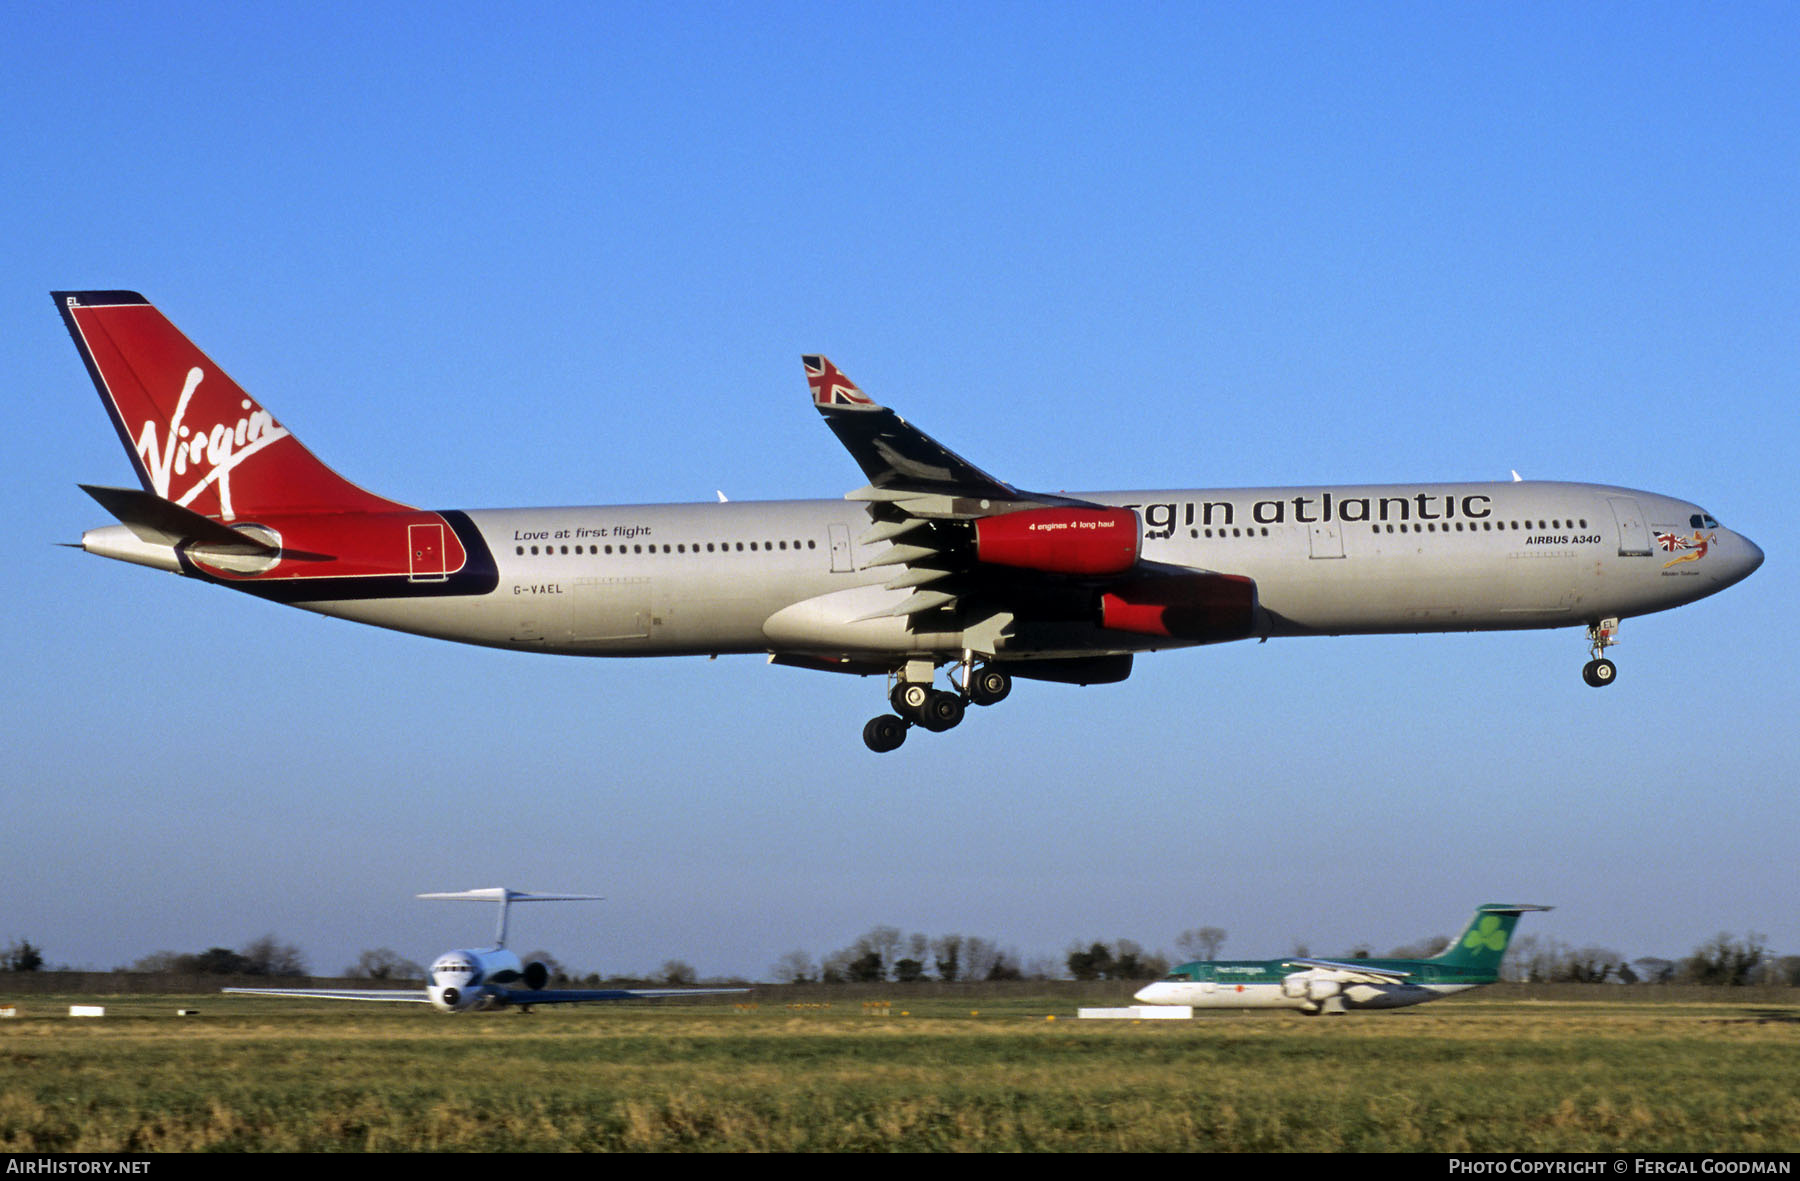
917 703
1599 672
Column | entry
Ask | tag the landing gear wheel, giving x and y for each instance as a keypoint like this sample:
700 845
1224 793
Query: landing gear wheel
1599 673
909 699
941 711
989 686
884 733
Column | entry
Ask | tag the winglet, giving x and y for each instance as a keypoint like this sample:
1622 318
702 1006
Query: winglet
831 389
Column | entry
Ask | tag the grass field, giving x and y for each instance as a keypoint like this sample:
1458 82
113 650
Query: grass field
933 1074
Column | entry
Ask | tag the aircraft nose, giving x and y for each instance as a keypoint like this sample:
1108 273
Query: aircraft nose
1746 560
1150 994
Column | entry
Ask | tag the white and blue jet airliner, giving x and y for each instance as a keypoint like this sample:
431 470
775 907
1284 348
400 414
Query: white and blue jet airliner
481 979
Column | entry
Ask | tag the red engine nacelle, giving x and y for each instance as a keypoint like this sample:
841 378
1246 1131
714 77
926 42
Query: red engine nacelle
1208 608
1061 540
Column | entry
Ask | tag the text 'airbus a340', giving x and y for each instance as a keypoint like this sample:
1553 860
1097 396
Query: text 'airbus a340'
933 564
482 979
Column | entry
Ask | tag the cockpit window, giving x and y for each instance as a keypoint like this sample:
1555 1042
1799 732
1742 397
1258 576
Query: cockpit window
1702 521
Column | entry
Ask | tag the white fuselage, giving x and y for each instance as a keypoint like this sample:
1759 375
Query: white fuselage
460 981
791 576
1224 994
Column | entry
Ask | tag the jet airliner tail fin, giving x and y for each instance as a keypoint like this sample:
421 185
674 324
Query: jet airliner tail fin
196 438
1483 945
506 898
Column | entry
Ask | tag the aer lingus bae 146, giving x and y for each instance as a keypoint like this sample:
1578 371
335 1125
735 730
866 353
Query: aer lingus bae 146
485 978
1315 986
932 564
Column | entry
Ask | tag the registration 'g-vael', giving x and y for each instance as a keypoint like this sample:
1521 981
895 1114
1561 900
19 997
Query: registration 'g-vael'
931 564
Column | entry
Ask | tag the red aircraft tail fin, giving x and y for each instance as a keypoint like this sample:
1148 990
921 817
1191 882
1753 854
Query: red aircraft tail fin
195 436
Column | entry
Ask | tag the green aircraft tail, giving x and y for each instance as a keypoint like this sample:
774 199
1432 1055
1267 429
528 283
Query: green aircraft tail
1481 948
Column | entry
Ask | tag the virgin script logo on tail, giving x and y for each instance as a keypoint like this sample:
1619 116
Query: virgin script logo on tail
211 452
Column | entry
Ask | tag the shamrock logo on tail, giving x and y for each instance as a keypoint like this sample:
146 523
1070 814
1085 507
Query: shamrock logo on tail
1486 934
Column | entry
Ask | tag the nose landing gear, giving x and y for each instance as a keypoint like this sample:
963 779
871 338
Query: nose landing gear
1599 672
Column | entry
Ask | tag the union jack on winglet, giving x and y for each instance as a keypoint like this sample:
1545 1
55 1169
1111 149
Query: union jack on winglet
831 388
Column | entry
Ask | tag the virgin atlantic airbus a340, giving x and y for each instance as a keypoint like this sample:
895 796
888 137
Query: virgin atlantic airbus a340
932 564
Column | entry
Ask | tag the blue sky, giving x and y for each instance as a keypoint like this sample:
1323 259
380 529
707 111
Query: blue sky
482 256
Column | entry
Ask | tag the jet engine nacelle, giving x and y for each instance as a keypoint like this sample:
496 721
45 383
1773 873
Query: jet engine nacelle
1310 986
1207 608
536 975
1061 540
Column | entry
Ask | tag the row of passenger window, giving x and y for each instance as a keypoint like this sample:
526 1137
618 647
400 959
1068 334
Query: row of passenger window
1403 527
1486 526
723 547
1252 531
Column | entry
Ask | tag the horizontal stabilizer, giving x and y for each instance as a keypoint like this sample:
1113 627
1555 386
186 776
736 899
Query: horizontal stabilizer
502 894
163 522
505 898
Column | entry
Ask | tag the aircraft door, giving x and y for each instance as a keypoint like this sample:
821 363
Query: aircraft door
1327 540
610 609
1634 535
840 550
425 552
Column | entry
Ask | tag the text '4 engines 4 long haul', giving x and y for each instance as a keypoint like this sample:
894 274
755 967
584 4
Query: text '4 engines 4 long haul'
932 564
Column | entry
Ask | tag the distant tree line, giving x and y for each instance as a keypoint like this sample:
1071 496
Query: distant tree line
267 956
1724 959
383 963
20 956
1122 960
888 955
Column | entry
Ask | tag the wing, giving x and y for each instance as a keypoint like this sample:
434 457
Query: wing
576 996
414 996
944 516
893 454
1363 973
960 540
